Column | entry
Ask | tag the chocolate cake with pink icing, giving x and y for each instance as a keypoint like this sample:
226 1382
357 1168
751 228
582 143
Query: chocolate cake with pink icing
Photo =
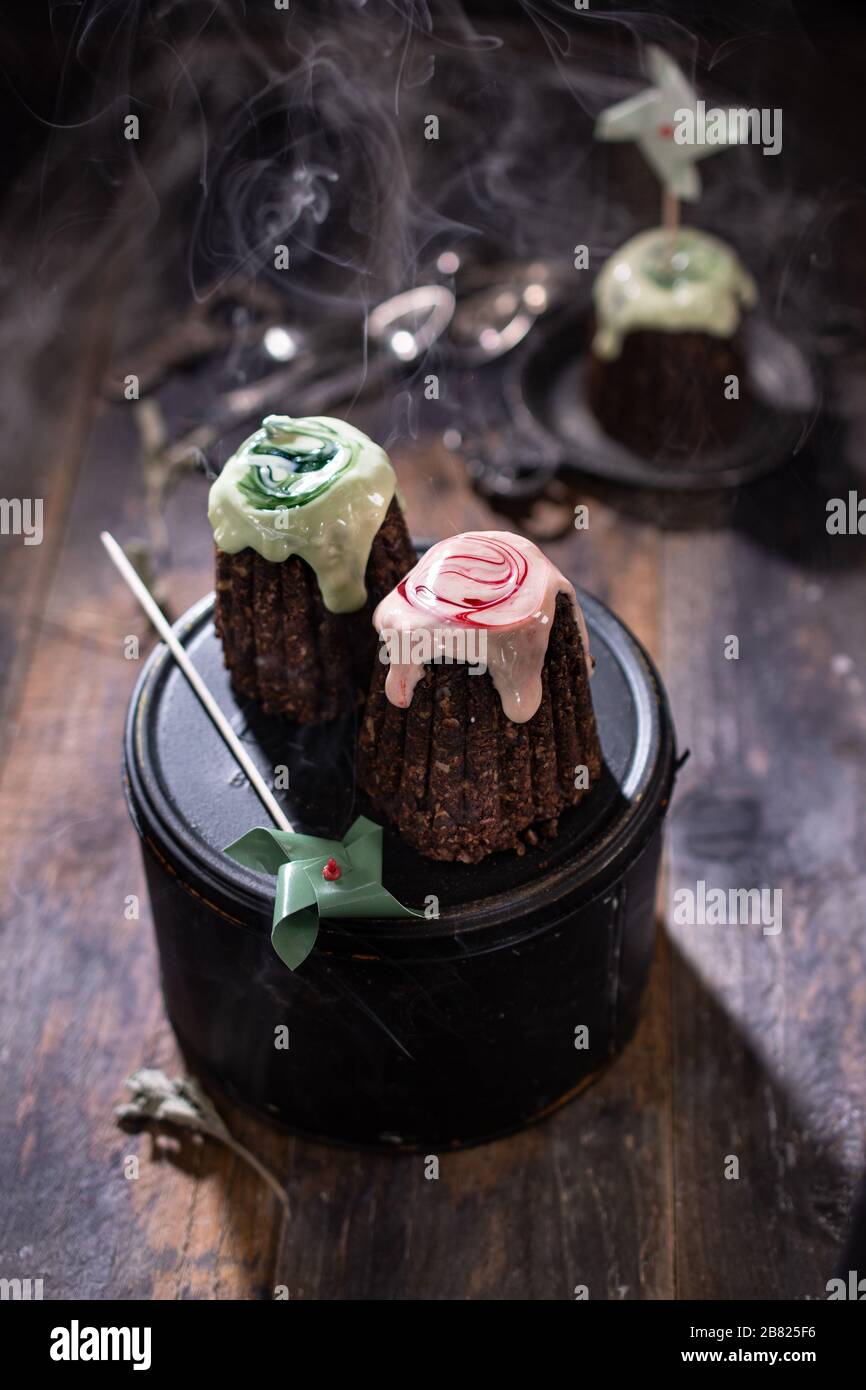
479 728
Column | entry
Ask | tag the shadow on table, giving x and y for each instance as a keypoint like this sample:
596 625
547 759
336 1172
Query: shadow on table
775 1230
591 1175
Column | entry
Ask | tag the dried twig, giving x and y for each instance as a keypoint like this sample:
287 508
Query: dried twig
182 1102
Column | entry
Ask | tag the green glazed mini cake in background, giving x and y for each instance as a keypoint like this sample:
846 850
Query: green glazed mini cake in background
667 370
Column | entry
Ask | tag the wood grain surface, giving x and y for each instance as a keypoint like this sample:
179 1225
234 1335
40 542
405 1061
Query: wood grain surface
750 1045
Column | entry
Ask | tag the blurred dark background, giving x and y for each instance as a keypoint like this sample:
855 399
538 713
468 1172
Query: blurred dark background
305 127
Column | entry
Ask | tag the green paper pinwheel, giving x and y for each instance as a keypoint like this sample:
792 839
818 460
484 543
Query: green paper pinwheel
318 878
651 119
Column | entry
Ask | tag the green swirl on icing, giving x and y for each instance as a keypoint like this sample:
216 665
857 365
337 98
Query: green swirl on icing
685 282
683 262
314 487
286 483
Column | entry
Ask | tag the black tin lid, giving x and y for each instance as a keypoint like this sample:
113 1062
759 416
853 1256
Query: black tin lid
189 799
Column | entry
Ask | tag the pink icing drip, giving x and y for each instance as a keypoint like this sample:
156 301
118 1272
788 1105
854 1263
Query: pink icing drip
497 583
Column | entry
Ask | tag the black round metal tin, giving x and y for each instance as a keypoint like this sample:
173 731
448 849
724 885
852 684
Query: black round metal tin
407 1033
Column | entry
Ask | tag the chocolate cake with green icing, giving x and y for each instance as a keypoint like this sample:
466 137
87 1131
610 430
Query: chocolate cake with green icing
667 344
479 729
309 536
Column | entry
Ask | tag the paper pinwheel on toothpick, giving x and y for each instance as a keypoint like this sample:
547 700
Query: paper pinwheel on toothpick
653 120
318 878
315 877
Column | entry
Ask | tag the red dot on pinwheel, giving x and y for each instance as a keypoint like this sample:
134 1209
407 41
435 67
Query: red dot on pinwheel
666 132
332 871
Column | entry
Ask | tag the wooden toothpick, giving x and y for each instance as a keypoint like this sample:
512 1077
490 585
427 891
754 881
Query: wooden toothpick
181 656
670 211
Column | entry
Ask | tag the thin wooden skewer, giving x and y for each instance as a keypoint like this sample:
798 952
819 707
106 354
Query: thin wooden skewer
178 651
671 218
670 211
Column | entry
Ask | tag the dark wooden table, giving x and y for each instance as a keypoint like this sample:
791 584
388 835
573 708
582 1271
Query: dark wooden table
750 1045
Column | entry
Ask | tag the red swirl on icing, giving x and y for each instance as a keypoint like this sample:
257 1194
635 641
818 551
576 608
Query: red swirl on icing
462 585
494 581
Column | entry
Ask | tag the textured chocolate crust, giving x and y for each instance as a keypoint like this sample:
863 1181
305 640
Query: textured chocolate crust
458 779
665 393
282 645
